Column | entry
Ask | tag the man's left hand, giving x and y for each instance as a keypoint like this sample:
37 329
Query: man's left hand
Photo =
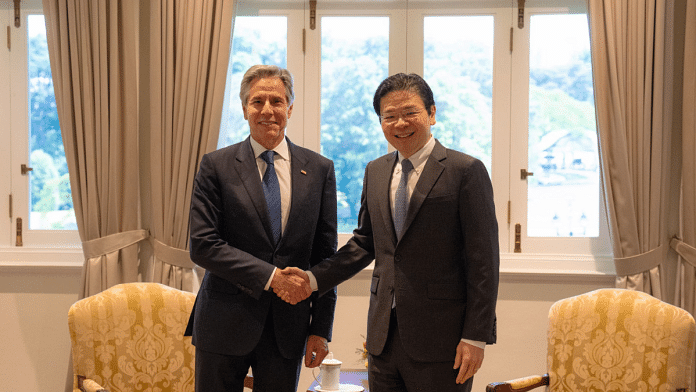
468 360
317 349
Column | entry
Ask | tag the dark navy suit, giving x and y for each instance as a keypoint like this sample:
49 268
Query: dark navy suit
230 234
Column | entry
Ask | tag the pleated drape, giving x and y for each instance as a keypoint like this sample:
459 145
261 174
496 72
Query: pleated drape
685 245
190 46
633 120
93 52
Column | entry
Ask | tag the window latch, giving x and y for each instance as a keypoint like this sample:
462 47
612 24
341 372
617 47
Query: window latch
26 169
524 174
520 14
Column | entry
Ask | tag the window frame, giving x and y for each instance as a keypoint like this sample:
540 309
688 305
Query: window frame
5 148
295 12
19 125
52 251
598 246
500 10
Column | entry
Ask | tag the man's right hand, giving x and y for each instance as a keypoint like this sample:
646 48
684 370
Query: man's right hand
291 285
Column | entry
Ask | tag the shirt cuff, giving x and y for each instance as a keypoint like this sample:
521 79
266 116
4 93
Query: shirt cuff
475 343
268 284
312 281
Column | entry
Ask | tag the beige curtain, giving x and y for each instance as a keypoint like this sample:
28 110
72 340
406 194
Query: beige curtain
686 246
92 47
189 53
633 120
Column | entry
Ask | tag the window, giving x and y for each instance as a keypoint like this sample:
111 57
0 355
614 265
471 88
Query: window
255 40
458 66
553 71
354 60
516 98
264 35
519 99
38 187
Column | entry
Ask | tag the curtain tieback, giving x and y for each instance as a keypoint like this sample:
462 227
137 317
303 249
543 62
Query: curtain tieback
643 262
686 251
112 243
170 255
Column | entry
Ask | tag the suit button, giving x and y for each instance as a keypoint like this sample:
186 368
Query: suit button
397 258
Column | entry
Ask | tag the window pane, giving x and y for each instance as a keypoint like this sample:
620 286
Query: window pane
50 204
563 194
255 40
354 60
458 66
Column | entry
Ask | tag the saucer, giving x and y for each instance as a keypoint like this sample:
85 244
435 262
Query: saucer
342 388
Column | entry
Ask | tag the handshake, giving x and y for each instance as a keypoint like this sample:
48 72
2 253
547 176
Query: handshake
291 285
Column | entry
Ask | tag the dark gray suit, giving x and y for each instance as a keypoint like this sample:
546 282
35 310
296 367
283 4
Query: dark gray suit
444 270
231 238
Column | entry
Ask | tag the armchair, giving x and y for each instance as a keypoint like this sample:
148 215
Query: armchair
614 340
131 338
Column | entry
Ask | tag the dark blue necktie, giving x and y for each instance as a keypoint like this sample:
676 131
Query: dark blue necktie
271 190
401 199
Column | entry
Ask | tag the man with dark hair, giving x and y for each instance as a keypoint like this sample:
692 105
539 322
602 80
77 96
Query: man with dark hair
258 207
427 219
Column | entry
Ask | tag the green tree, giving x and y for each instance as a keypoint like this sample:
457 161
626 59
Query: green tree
461 80
247 49
350 132
50 186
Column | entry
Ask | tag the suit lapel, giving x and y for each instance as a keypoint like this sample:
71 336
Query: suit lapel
431 172
383 183
248 171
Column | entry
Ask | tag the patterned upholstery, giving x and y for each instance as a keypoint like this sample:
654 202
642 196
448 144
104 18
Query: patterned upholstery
131 338
615 340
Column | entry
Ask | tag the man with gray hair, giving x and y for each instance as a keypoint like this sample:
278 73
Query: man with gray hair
257 208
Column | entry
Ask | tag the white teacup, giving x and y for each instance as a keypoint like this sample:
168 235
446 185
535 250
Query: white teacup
329 372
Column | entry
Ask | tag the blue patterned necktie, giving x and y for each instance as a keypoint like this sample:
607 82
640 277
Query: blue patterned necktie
271 190
401 200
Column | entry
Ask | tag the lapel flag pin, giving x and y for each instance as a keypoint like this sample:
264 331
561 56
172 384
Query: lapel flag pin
303 172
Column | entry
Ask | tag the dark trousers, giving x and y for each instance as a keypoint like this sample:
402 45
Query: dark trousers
225 373
395 371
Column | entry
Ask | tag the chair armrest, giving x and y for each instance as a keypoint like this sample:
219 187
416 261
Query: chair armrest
85 384
519 384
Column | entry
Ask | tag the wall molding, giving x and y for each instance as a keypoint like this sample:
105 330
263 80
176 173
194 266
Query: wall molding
41 260
514 268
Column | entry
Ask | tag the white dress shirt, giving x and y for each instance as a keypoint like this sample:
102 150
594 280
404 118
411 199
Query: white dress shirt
418 160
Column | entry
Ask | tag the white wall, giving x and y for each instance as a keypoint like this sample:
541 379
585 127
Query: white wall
34 340
35 346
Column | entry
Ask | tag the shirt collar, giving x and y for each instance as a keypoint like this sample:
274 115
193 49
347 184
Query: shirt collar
419 157
281 149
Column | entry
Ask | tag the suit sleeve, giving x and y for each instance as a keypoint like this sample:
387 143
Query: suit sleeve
324 245
208 247
481 253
